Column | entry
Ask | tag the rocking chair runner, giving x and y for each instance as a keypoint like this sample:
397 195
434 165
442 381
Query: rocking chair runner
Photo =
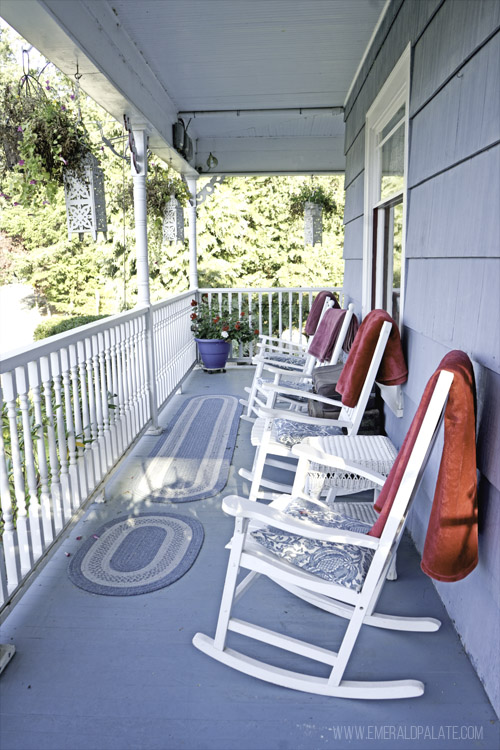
357 559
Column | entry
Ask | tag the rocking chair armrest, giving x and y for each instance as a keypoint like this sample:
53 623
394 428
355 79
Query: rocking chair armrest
287 390
298 416
242 507
317 456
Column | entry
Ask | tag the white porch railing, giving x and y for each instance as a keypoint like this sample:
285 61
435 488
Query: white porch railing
73 405
271 310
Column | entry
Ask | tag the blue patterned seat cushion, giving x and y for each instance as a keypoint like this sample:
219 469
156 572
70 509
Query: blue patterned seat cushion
344 564
290 433
286 359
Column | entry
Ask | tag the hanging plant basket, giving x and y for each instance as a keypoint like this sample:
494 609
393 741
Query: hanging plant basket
173 221
85 198
313 223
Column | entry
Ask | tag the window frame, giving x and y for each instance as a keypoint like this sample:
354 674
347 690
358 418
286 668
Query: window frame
394 93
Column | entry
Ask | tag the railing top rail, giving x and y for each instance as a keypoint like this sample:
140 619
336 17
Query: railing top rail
175 298
19 357
217 290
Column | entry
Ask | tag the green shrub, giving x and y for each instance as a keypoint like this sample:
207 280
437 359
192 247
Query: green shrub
58 325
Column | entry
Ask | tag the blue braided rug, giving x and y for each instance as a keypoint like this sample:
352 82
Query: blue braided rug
136 555
191 461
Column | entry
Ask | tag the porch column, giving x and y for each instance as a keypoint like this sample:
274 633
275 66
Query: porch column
140 215
193 253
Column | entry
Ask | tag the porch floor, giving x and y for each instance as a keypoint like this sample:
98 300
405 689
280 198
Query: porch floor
94 672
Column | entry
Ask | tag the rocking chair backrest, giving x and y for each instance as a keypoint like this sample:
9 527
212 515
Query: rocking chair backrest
311 361
354 414
415 467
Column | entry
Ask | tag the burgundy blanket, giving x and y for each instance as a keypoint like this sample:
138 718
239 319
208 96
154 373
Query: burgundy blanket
315 311
327 334
451 545
392 370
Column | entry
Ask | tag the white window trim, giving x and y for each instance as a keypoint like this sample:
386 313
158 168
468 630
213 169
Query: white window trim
394 93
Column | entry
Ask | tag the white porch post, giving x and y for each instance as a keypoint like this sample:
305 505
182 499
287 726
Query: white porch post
193 253
140 216
141 241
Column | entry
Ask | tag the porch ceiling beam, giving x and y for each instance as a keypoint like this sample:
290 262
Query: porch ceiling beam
114 72
272 155
273 111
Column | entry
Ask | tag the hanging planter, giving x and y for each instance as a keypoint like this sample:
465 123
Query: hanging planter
40 138
312 202
173 221
85 198
313 223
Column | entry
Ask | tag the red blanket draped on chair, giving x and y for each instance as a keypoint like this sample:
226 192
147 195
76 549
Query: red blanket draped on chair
392 370
451 545
316 310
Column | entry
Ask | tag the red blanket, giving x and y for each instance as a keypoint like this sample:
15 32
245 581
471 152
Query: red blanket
315 311
451 545
327 334
392 370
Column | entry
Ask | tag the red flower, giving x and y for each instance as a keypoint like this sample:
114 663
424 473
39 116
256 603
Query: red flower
216 320
194 303
256 332
225 328
242 314
237 326
193 316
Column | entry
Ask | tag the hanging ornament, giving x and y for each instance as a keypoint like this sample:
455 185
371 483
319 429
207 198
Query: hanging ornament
85 199
173 221
313 223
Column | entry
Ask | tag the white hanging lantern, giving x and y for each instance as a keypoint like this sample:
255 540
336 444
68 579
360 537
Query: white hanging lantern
173 221
85 199
313 223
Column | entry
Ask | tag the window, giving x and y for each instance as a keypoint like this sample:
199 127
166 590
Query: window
386 148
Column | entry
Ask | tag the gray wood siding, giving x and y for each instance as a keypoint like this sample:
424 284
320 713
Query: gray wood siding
452 253
430 234
438 55
468 112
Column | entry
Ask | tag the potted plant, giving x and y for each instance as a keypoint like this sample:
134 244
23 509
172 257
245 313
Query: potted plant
311 202
216 327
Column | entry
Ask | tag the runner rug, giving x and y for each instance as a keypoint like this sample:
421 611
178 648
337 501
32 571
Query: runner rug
136 555
192 460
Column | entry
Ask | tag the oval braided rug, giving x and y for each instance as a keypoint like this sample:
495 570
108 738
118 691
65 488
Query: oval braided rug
138 554
191 461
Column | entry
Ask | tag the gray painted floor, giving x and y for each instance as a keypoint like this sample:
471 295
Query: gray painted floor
94 672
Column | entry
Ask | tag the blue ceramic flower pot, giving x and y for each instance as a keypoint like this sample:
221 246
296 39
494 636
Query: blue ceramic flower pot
214 352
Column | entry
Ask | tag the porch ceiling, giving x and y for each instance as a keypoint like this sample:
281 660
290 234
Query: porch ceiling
228 66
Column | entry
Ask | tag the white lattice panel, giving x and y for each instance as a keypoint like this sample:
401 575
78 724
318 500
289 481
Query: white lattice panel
173 221
313 224
85 199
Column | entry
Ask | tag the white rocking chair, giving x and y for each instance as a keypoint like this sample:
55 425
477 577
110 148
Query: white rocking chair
290 370
352 595
267 441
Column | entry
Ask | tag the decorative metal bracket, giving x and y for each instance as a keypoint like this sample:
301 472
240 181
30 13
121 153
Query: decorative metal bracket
208 189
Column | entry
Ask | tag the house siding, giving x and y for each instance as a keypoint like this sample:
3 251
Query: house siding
452 255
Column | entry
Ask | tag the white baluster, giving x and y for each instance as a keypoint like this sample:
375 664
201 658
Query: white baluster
61 435
121 413
91 390
76 496
91 470
125 382
110 385
9 537
55 484
108 451
35 521
98 405
128 378
49 531
17 470
78 424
